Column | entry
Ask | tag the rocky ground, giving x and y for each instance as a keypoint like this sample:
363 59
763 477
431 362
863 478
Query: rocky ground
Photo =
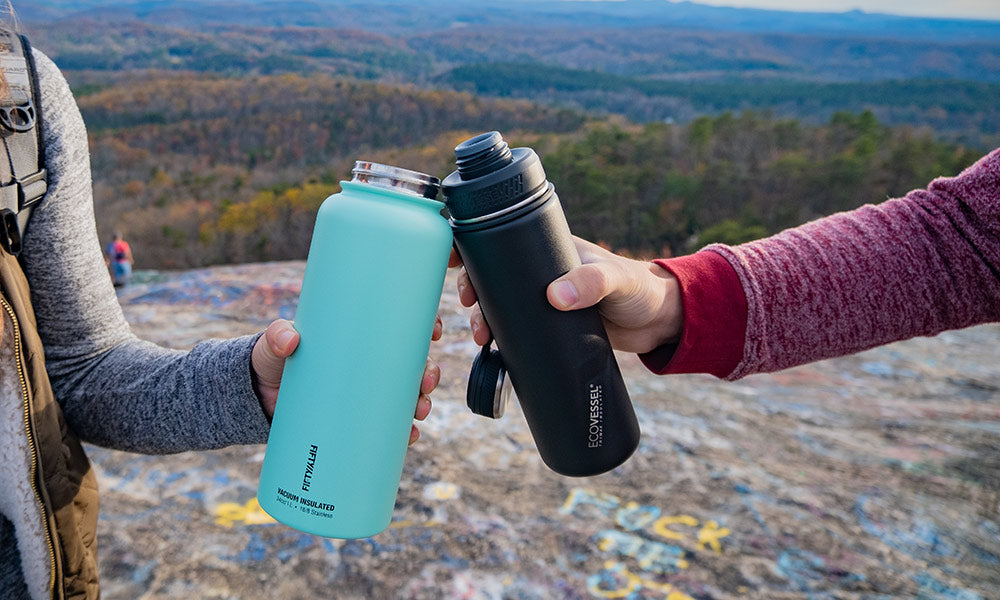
871 476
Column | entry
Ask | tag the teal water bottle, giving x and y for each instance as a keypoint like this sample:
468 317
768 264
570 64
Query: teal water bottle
366 313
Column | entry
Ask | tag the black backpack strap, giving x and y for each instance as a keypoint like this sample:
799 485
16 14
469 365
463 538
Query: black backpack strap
22 173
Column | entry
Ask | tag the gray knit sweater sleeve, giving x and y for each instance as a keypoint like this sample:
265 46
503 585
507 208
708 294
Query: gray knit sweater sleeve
115 389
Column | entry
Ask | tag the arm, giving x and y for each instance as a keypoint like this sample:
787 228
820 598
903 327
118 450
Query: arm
116 390
912 266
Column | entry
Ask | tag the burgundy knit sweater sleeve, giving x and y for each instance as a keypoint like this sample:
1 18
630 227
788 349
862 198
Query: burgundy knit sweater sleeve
916 265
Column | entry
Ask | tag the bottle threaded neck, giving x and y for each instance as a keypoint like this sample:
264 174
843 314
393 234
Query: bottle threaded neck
481 155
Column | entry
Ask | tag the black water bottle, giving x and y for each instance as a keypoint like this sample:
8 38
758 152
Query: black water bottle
513 238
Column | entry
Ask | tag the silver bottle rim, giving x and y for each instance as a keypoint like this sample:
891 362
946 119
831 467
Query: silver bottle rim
396 178
501 395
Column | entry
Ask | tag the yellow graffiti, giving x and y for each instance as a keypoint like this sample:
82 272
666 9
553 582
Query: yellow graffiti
228 513
404 524
635 517
652 557
577 496
441 490
627 583
710 534
660 526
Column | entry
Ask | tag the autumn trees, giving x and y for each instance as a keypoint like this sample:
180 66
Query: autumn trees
204 169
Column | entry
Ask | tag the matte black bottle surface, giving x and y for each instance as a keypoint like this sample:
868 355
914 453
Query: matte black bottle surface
512 235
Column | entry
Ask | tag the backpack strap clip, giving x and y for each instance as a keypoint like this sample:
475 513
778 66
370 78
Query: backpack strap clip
15 198
18 117
23 192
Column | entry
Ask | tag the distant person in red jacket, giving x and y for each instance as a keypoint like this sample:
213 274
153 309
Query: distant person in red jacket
911 266
118 255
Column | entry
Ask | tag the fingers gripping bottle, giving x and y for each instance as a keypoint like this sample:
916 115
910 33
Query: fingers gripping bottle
369 298
512 235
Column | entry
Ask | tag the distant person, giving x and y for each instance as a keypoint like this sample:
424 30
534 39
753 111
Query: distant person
83 375
912 266
119 260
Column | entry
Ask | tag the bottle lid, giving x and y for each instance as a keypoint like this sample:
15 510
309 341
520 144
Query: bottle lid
492 179
396 178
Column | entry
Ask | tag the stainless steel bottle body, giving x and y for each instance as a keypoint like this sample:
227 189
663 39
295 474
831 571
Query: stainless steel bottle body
370 293
561 364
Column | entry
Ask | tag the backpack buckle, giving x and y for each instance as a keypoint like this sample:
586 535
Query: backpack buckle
10 236
30 189
19 117
22 193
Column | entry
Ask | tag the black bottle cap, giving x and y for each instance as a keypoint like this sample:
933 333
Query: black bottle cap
488 391
491 177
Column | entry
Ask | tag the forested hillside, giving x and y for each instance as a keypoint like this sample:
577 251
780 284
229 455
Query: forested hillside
202 170
198 170
661 190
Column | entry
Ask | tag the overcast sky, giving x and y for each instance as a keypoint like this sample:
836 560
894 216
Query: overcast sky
966 9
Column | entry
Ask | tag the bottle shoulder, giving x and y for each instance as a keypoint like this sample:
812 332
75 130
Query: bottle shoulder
353 193
384 211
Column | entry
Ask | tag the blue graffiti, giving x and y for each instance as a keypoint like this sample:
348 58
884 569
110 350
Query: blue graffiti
805 569
290 543
932 589
653 557
922 537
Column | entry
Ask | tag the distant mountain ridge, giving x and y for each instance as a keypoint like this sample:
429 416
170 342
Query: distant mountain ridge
435 15
536 52
170 35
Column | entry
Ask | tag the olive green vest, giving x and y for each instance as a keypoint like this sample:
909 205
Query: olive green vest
64 483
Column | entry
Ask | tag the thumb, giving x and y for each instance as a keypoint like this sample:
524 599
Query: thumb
267 358
585 285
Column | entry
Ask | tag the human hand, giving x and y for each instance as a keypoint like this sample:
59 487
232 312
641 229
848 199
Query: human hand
267 361
639 301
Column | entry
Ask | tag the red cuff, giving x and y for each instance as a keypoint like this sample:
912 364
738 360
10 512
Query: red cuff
715 318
